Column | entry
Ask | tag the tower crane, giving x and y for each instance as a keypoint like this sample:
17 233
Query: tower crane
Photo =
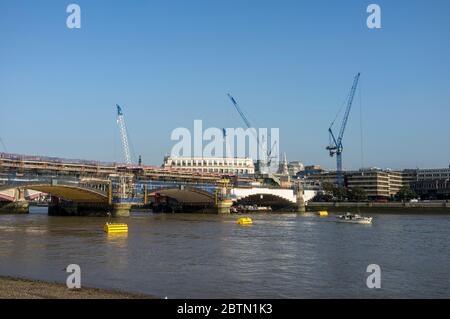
123 135
267 153
335 146
3 144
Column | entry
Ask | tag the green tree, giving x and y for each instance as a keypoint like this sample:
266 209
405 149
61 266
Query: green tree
340 192
328 188
322 197
357 194
406 193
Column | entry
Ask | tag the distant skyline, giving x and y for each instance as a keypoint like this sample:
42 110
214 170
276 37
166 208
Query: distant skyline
290 64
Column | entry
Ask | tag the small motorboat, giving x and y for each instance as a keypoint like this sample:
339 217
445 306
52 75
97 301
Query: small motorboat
253 209
354 218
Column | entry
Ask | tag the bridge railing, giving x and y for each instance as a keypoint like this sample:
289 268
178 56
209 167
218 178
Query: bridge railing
15 180
125 188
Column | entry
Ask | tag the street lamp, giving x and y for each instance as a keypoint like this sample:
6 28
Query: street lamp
445 186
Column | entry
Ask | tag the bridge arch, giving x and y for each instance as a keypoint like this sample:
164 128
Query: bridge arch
74 193
263 199
185 195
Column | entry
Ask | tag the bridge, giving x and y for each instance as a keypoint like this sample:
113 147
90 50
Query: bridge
93 188
274 197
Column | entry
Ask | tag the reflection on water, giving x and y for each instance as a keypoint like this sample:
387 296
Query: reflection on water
190 255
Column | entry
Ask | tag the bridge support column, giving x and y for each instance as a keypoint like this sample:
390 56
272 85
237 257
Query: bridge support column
223 202
19 207
121 210
64 208
223 206
300 205
19 194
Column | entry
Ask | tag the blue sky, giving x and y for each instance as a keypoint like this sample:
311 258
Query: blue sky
289 63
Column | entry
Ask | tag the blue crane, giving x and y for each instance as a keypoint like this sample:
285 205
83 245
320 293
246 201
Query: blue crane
123 135
268 153
335 146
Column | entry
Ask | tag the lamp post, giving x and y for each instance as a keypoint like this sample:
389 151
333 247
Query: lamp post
445 191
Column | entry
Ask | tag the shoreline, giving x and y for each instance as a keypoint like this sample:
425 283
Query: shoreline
421 208
21 288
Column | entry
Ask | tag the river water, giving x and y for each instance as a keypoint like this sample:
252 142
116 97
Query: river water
210 256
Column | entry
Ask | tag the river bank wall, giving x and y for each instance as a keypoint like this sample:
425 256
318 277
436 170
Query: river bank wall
441 207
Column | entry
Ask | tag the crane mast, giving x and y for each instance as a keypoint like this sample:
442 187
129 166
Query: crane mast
267 153
335 146
123 135
3 144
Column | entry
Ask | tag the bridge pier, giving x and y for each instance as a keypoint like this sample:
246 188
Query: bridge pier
223 206
300 202
19 207
66 208
89 209
121 209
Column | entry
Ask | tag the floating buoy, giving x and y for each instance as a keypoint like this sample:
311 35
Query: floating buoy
244 221
323 213
115 228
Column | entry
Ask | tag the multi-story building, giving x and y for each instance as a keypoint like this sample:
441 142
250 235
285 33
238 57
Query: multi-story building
395 182
432 189
295 167
432 183
324 177
409 176
311 170
376 183
231 165
433 174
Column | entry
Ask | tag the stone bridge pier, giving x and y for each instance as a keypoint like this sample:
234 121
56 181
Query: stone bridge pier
16 202
67 208
67 199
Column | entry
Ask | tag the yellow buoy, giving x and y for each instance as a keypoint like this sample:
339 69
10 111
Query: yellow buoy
244 221
115 228
323 213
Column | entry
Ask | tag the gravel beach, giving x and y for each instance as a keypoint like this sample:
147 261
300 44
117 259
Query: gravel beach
16 288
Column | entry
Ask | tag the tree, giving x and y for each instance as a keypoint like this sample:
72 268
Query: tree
340 192
406 193
357 194
333 192
328 188
322 197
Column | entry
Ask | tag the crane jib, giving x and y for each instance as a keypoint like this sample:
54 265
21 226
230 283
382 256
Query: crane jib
335 146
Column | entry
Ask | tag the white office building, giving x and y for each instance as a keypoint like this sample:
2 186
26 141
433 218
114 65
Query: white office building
433 174
224 165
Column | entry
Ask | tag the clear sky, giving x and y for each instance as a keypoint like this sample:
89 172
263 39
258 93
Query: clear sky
289 63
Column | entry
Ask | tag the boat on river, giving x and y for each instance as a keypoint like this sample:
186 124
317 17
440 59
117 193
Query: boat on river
354 219
250 209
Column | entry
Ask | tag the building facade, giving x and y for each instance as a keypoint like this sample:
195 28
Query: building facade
432 183
311 170
433 174
438 189
224 165
294 167
409 176
377 183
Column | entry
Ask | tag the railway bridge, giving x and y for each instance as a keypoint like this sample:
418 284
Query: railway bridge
91 188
